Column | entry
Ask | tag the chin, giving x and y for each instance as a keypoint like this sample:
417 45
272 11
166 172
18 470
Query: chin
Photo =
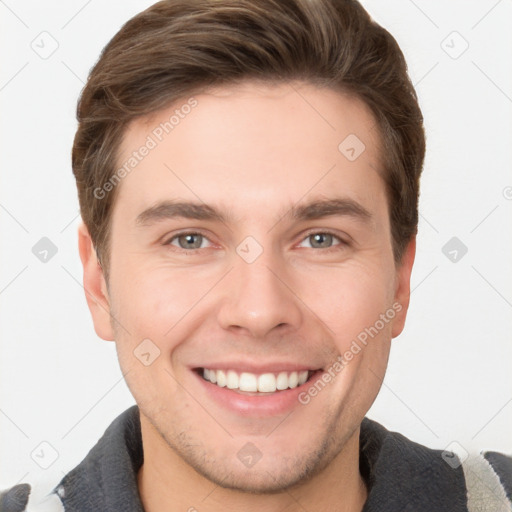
269 480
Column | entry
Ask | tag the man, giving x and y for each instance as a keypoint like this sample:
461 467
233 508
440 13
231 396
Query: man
248 176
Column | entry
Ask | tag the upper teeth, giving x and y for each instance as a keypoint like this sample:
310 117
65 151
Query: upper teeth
266 382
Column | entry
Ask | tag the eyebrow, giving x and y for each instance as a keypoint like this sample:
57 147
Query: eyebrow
317 209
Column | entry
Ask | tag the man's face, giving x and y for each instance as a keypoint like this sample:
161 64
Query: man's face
273 287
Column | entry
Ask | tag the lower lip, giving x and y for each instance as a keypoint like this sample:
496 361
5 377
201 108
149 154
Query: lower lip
257 405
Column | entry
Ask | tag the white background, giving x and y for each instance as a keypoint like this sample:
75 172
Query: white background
450 372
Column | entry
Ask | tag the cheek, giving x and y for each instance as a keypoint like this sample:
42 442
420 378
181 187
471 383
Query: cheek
350 300
161 305
146 308
154 298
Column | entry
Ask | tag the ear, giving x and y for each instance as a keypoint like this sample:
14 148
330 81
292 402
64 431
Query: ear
95 287
403 287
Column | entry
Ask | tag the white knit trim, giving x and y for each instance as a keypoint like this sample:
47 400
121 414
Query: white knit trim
41 498
485 491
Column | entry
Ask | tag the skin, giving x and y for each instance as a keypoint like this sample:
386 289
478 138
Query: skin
252 151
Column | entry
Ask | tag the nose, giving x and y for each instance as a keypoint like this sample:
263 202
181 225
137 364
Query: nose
259 298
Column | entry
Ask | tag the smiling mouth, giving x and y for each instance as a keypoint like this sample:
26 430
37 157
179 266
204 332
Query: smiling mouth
256 384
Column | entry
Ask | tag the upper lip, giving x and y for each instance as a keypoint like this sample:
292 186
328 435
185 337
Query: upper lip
252 367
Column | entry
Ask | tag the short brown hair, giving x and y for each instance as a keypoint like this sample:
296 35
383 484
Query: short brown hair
178 47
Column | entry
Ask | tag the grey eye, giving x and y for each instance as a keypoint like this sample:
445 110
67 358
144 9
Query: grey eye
321 240
190 241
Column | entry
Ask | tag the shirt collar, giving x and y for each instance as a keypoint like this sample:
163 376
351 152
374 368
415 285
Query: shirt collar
400 474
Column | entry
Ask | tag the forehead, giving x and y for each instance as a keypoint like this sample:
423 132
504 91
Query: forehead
251 145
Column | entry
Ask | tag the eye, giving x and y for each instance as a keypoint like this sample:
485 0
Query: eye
191 241
188 241
323 240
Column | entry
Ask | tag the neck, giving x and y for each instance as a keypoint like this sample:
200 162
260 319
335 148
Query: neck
168 484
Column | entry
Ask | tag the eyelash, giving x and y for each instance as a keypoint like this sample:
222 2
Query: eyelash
342 242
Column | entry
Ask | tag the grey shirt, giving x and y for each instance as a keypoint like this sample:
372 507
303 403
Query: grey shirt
400 475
